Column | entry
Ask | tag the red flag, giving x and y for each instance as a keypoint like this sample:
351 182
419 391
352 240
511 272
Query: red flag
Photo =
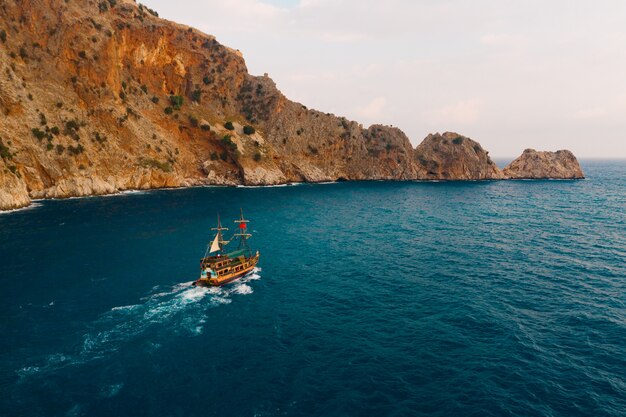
242 225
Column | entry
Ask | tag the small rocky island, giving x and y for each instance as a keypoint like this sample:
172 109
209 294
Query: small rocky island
101 97
535 165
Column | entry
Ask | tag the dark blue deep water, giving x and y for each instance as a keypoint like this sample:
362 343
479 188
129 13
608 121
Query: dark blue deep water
373 299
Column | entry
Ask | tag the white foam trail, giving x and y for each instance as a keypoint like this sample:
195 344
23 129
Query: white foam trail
193 294
182 306
125 308
252 277
28 371
243 289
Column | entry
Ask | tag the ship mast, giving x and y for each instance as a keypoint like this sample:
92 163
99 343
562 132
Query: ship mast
219 241
243 232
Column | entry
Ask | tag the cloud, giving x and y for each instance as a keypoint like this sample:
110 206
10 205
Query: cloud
216 17
345 37
500 39
590 113
462 112
373 109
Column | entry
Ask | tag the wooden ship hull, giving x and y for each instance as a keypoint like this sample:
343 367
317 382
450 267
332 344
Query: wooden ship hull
229 270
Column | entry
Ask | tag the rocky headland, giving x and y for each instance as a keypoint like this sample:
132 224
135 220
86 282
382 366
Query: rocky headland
102 96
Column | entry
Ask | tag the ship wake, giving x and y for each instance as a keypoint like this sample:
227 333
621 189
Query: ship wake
179 310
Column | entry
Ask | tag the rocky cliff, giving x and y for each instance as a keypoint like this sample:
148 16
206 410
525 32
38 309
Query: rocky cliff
451 156
102 96
534 164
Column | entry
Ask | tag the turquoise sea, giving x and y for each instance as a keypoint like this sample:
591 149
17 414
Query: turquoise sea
495 298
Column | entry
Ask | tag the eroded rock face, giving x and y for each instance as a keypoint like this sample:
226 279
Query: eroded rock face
534 164
13 192
451 156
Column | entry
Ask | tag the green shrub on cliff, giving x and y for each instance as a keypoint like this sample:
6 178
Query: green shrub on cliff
229 126
4 151
177 101
248 130
71 125
39 134
76 150
3 35
228 143
196 95
168 110
100 138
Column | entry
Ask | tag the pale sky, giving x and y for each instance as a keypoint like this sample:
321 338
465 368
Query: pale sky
547 74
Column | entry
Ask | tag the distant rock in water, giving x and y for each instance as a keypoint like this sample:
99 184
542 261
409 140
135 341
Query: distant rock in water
451 156
534 164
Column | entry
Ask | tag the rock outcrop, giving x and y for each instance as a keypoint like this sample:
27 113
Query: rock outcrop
451 156
13 192
534 164
102 96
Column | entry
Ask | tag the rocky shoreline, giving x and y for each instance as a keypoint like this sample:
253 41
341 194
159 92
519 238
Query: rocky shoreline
19 202
102 98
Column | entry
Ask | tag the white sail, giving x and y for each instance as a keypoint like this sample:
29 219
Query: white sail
215 246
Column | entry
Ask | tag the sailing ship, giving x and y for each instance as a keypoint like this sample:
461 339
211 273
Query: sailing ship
218 266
